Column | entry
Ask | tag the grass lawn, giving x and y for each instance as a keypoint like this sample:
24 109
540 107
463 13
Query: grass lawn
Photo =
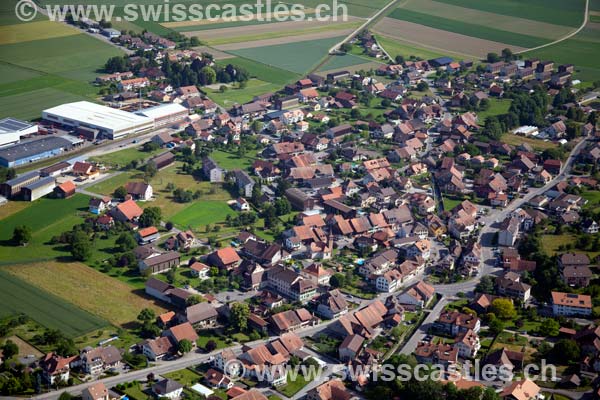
29 105
260 71
537 144
186 377
395 48
108 185
497 107
205 338
202 213
449 204
551 243
12 207
297 57
135 392
86 288
50 311
232 96
292 386
230 161
123 157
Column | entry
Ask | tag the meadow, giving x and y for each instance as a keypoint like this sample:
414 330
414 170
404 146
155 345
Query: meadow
123 157
202 213
235 95
396 48
343 61
263 72
18 296
298 57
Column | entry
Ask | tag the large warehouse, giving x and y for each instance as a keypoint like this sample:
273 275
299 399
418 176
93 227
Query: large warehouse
165 114
110 123
33 150
12 130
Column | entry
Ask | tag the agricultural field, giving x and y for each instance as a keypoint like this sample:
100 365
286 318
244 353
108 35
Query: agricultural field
46 218
298 57
123 157
86 288
235 95
537 144
50 311
347 60
474 28
397 47
263 72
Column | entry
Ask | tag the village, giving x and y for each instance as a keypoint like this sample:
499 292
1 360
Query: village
362 218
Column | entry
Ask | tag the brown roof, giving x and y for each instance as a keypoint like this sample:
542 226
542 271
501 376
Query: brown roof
67 187
130 209
184 331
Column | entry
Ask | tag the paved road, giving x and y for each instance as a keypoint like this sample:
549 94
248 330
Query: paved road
410 346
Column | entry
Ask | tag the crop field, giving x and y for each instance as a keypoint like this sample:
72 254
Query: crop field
582 50
29 105
202 213
398 48
347 60
46 218
559 12
37 30
298 57
18 296
467 29
123 157
86 288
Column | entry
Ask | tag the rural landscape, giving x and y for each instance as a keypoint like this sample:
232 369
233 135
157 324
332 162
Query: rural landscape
382 199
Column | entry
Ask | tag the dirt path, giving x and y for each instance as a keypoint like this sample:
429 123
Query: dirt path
586 17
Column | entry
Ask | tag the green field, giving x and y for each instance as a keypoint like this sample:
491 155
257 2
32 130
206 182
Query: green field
343 61
123 157
298 57
230 161
497 107
262 71
29 105
46 218
17 296
395 48
202 213
558 12
467 29
254 87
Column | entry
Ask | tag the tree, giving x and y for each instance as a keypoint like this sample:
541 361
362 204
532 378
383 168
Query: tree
207 76
193 299
120 193
485 285
150 217
150 146
150 171
9 349
146 315
337 280
81 246
503 309
399 59
507 54
496 326
239 316
422 86
210 346
566 350
492 57
549 327
21 235
490 394
346 47
125 242
185 346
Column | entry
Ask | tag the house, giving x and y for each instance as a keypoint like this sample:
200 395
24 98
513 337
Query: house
201 315
199 270
226 258
244 182
167 388
55 368
510 285
212 171
217 380
317 274
157 349
95 361
333 389
96 391
65 190
418 295
467 344
290 284
242 204
147 235
128 211
453 322
350 347
139 190
508 232
437 354
521 390
98 205
332 304
180 332
570 304
389 281
291 320
577 275
160 262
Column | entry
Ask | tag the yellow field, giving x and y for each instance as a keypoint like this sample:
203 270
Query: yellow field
25 349
537 144
87 288
10 34
12 207
251 17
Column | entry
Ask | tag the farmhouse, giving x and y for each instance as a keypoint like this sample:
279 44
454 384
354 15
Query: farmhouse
111 123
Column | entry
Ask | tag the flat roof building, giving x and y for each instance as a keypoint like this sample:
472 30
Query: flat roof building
110 122
165 114
11 131
33 150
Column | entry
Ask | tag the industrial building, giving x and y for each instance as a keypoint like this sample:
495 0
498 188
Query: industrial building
38 189
33 150
165 114
109 122
12 188
12 130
